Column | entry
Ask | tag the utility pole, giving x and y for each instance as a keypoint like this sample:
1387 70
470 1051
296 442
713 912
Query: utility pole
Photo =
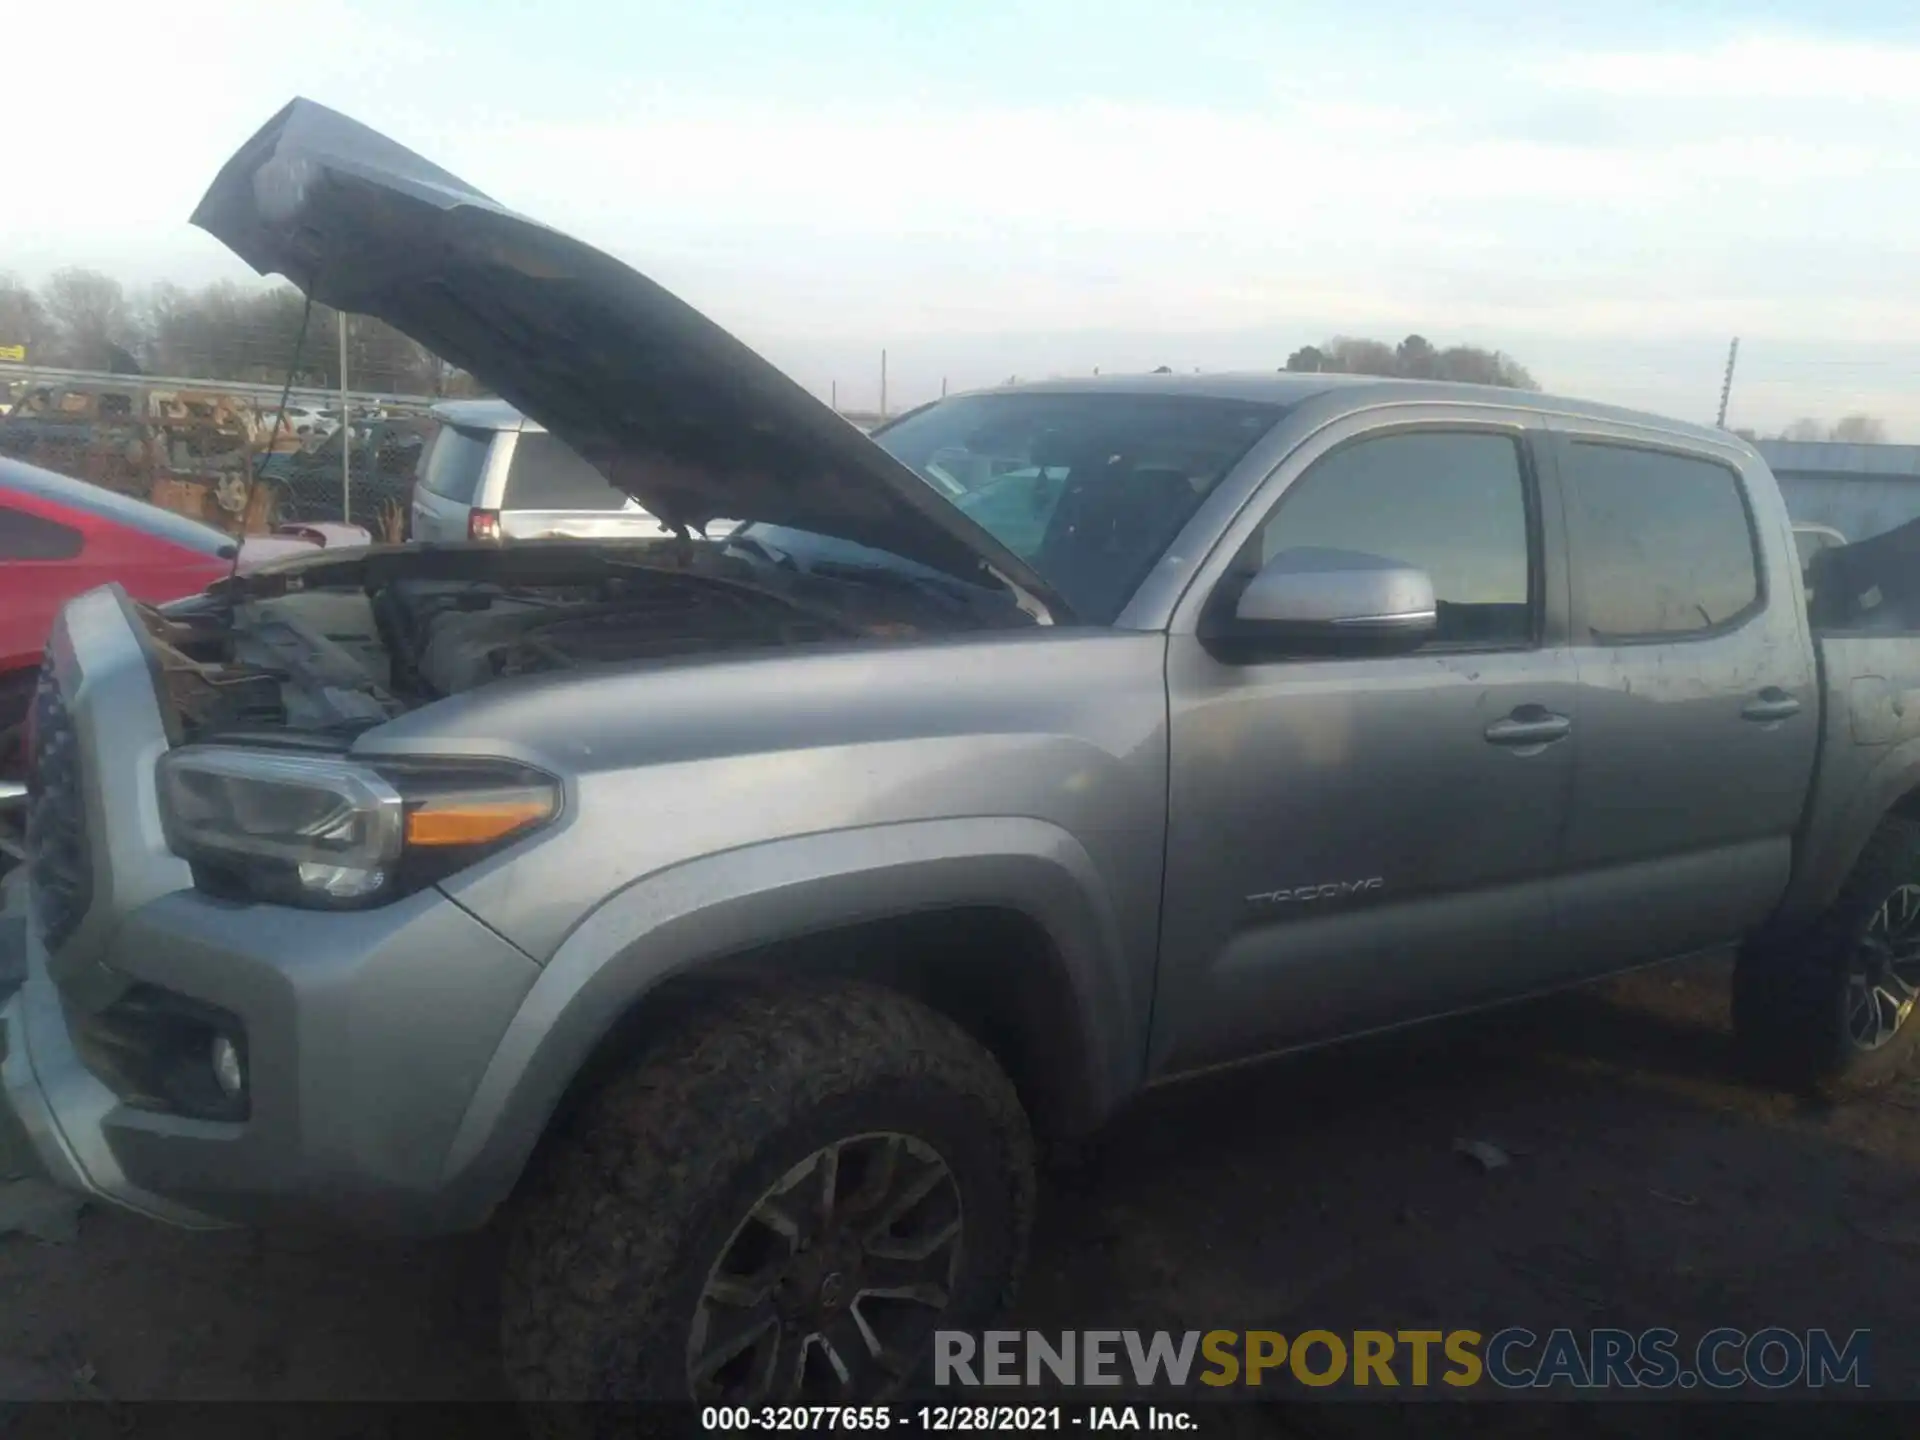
1726 385
943 387
883 384
833 389
346 429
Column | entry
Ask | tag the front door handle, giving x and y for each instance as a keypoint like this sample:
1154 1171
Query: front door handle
1529 725
1770 704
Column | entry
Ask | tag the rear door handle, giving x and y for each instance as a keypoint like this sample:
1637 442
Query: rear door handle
1529 725
1771 703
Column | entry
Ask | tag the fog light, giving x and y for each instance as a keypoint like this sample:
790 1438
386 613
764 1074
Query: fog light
228 1073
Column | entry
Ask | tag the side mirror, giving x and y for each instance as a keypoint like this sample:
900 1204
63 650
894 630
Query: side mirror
1331 602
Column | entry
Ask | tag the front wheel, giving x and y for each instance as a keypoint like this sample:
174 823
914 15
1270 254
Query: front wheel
1833 1012
782 1204
16 695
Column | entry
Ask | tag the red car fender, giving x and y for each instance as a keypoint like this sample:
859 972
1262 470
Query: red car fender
101 538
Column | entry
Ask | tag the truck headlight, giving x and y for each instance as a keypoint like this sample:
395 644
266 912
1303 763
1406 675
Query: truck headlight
328 832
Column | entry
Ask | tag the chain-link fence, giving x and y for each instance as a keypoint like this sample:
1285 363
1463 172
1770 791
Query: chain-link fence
223 454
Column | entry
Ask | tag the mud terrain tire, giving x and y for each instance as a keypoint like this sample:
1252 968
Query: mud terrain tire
614 1243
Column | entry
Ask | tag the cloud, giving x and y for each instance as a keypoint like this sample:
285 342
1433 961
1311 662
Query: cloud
1141 170
1093 214
1757 67
126 111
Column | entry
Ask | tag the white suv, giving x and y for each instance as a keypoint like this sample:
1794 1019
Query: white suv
493 474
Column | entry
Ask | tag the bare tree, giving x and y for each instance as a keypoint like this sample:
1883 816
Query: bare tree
222 331
23 319
1414 358
90 316
226 333
1473 366
1348 355
1859 430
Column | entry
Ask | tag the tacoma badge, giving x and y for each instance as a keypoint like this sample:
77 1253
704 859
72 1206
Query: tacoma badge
1331 890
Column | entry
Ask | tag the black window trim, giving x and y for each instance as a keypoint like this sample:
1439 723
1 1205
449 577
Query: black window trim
1524 437
1584 636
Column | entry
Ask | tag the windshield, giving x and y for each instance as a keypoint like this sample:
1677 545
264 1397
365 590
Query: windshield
1088 489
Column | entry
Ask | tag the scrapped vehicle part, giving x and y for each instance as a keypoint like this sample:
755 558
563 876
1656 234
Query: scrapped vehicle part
202 428
186 450
383 456
96 433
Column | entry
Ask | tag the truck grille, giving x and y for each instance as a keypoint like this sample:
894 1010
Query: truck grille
59 857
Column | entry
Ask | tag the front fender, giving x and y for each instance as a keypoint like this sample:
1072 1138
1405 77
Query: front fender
677 919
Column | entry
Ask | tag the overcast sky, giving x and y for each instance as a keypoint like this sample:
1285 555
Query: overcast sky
1608 192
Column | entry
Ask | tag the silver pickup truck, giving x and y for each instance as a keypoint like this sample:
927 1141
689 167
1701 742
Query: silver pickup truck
736 919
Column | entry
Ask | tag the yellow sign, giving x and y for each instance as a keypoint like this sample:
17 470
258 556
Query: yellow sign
13 352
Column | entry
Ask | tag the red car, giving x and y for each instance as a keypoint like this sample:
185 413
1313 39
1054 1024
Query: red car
61 537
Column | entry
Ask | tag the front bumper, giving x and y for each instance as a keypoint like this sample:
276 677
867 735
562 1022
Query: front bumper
37 1067
365 1033
366 1036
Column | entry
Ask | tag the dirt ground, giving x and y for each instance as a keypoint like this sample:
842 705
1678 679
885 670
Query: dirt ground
1645 1188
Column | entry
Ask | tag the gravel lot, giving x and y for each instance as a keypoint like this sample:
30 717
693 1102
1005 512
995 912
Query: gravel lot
1646 1188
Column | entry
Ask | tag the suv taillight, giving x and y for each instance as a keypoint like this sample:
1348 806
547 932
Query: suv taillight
483 524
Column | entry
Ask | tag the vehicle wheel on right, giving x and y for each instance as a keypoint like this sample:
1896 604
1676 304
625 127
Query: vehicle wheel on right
1833 1012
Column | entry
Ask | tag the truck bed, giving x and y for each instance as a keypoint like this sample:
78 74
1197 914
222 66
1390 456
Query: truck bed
1864 611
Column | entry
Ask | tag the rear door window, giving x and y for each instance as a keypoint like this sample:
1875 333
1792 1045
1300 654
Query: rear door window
30 537
151 520
456 462
1663 543
547 474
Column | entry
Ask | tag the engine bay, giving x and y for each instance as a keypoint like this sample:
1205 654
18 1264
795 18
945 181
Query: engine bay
370 641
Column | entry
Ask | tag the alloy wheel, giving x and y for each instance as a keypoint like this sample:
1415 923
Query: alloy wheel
1884 980
830 1285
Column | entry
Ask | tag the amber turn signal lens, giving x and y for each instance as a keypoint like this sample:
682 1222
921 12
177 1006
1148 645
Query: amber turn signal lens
476 819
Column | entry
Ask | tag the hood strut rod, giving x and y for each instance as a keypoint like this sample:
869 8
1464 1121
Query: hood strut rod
279 422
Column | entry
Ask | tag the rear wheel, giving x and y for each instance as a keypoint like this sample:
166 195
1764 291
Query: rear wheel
782 1204
1833 1013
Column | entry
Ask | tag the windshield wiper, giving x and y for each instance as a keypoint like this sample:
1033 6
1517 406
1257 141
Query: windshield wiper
955 593
766 552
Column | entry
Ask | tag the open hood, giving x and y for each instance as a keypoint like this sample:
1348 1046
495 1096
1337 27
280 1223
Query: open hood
678 413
